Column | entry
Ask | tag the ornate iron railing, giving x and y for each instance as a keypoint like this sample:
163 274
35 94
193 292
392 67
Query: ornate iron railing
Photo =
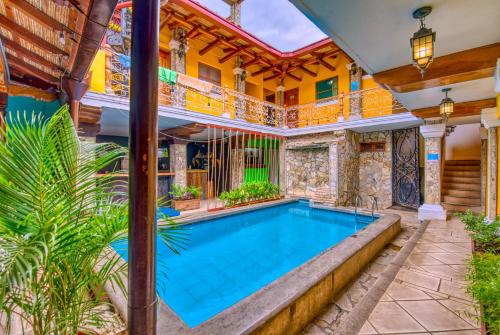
203 97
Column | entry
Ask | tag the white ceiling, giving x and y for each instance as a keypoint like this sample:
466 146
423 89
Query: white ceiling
376 33
465 91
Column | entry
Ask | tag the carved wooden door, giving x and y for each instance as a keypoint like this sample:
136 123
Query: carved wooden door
405 170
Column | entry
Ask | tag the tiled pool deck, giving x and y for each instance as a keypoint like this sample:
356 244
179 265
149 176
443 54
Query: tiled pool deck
428 294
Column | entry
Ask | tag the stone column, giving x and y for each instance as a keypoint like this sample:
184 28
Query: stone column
178 162
355 106
491 122
88 131
484 161
280 101
235 16
432 209
333 167
239 86
492 169
282 157
178 48
4 97
237 167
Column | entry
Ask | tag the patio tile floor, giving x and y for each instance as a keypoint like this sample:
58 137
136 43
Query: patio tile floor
430 289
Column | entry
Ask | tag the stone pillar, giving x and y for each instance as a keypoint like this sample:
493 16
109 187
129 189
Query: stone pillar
239 86
282 158
237 167
178 162
88 131
355 106
484 161
235 16
491 122
178 48
432 209
280 101
333 167
347 173
492 173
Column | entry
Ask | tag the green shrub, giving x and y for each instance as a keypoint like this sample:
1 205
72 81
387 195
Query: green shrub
251 191
485 234
484 277
180 192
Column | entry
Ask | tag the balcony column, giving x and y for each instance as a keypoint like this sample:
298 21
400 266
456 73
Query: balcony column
355 107
280 101
239 86
178 161
432 209
483 132
491 123
235 16
178 48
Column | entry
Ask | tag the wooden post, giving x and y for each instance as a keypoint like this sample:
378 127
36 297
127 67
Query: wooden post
75 90
143 168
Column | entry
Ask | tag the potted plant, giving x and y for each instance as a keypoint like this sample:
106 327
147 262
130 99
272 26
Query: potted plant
185 197
250 193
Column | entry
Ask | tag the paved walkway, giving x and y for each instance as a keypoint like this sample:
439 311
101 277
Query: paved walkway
428 295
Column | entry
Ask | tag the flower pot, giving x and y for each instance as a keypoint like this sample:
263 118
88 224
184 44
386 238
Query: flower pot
185 205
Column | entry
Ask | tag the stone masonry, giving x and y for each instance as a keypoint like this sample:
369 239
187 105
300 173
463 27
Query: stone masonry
375 170
330 165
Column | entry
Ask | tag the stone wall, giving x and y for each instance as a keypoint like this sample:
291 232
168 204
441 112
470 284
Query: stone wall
375 170
308 171
348 168
331 165
178 162
237 168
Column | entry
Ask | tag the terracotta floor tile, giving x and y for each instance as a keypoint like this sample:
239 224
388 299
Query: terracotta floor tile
367 329
434 316
468 312
427 247
454 290
451 258
458 332
402 292
389 317
423 258
444 271
418 279
453 247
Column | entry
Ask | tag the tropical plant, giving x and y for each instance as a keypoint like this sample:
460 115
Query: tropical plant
485 234
484 278
181 192
250 191
57 222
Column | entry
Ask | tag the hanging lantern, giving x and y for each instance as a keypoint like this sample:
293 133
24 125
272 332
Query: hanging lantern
446 105
422 42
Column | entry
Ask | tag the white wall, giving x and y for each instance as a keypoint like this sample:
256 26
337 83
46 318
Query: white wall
464 143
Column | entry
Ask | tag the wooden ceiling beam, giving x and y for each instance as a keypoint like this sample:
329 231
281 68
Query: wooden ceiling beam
250 62
263 70
25 67
458 67
276 75
306 70
326 64
27 53
27 35
37 14
192 32
460 109
209 47
231 54
294 77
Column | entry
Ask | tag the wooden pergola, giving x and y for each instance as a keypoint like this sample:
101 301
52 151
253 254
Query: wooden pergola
49 45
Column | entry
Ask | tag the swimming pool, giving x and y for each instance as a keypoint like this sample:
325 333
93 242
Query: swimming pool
229 258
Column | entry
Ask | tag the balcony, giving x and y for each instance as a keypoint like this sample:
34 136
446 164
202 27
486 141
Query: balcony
199 96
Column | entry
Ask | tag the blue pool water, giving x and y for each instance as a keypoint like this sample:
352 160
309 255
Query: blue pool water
229 258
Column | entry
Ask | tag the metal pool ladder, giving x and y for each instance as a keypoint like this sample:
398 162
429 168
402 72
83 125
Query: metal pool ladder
374 205
360 200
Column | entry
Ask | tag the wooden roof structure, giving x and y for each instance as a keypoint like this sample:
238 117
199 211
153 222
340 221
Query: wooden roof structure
47 42
258 57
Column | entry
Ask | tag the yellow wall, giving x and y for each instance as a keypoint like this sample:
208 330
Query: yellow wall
214 105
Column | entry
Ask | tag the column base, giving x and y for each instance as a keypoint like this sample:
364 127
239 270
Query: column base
431 212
